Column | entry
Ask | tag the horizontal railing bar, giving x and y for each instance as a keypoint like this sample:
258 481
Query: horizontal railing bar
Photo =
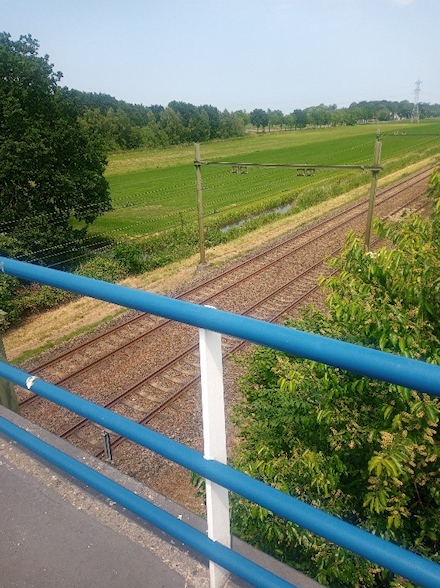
372 363
178 529
386 554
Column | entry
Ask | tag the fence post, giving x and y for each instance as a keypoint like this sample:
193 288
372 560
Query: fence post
214 436
8 398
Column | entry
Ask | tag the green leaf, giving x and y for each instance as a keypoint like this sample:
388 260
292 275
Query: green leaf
402 344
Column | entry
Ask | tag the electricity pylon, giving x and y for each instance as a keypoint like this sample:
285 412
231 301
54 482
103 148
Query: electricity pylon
415 115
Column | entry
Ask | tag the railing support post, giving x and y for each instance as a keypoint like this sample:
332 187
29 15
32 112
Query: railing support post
214 435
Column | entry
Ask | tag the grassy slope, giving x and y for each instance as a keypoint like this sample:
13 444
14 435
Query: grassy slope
51 328
153 191
128 172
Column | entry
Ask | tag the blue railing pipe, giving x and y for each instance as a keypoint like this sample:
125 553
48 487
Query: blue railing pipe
178 529
360 360
386 554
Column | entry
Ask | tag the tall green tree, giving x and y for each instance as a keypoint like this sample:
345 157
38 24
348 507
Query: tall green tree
300 117
259 118
50 171
214 119
153 134
171 123
231 125
198 126
289 121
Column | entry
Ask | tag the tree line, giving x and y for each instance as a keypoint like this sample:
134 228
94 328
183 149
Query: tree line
120 125
357 113
54 141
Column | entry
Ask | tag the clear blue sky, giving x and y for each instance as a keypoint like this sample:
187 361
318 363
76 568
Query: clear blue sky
238 54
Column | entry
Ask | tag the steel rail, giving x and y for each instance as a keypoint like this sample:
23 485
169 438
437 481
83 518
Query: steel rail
46 364
162 405
185 294
195 379
180 530
150 414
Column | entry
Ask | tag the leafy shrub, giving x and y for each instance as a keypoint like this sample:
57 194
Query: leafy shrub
131 256
18 300
364 450
8 292
11 247
102 268
37 297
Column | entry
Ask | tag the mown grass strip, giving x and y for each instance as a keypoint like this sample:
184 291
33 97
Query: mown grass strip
154 191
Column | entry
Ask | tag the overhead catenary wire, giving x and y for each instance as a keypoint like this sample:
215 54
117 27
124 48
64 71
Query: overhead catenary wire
215 183
97 247
52 216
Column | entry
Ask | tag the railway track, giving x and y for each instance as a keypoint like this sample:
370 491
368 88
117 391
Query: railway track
161 357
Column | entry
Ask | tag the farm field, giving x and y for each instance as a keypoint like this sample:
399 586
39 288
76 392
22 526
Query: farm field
154 191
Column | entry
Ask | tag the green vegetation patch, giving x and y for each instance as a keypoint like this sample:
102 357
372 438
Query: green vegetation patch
154 192
154 221
363 450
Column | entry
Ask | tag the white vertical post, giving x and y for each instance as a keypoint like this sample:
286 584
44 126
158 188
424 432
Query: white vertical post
214 435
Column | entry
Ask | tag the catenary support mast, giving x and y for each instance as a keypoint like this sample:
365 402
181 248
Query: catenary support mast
303 169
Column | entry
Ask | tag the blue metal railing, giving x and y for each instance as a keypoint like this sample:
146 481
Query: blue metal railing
399 370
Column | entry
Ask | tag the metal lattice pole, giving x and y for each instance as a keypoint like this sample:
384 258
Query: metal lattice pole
415 115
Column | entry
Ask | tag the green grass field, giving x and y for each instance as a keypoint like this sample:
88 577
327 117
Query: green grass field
154 191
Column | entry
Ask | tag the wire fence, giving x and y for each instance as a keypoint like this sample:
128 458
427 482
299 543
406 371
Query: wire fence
139 215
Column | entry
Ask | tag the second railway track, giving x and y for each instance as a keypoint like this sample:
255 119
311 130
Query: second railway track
142 366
